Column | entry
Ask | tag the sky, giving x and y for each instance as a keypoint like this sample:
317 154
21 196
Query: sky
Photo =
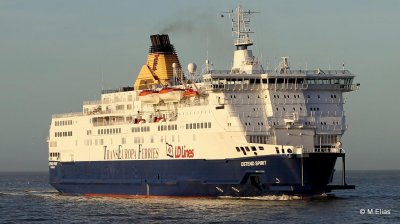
56 54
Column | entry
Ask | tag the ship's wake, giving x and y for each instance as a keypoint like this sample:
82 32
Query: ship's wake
29 193
284 197
267 197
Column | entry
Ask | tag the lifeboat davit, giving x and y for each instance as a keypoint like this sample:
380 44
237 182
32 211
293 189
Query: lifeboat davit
170 95
190 93
149 96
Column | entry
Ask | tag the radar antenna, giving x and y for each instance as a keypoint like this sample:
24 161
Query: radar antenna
241 27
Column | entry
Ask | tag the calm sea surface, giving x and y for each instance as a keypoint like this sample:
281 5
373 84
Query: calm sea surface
27 198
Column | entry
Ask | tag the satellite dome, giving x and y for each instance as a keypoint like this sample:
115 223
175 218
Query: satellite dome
192 67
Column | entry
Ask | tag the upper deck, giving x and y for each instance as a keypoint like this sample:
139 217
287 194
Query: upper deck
273 80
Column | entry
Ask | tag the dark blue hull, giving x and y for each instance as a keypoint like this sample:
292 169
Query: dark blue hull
254 176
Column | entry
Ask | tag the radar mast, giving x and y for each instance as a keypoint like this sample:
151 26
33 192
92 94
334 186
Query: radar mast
243 59
241 27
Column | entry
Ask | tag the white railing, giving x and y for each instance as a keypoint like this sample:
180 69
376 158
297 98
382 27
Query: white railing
93 102
67 115
280 86
321 150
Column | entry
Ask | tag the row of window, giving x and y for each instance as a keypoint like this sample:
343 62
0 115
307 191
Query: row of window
322 123
248 96
262 139
141 129
170 127
246 149
277 123
89 142
298 96
138 140
122 107
289 150
248 123
198 125
294 109
241 80
54 154
63 134
287 96
99 142
63 123
326 139
109 131
195 112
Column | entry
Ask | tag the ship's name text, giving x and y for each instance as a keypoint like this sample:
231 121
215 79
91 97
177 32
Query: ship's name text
254 163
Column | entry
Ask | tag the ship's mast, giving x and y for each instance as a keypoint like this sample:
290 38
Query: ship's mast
244 61
241 27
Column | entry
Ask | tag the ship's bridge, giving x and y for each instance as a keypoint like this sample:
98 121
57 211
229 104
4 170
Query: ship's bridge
274 80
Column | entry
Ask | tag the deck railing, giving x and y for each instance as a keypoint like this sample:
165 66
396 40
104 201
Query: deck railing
67 115
321 150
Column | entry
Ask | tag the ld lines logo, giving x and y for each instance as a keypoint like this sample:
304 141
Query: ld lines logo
178 151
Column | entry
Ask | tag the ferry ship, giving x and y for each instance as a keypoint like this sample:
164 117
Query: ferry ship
242 132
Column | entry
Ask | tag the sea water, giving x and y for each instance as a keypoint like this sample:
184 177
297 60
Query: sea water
28 198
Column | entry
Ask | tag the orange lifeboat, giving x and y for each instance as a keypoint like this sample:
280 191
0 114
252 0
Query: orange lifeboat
149 96
190 93
170 95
